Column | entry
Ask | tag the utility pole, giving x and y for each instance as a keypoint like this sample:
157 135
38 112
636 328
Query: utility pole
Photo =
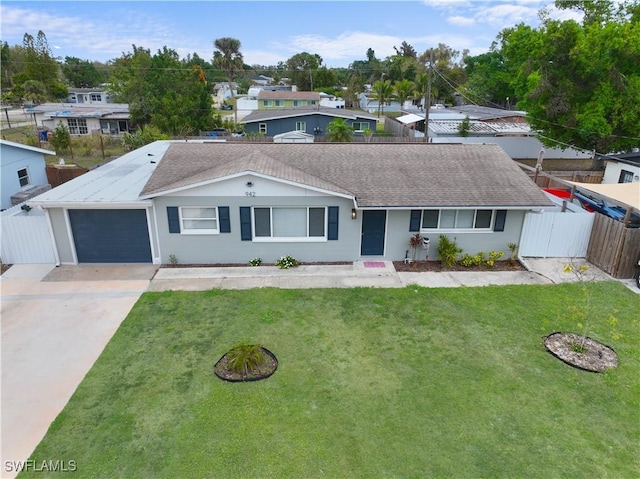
427 100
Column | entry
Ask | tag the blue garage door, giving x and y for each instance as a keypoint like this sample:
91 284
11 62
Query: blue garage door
111 236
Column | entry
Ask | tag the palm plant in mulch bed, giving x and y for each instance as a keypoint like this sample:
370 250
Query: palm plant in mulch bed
246 362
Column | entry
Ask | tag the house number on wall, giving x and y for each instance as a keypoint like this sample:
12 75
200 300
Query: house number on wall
250 193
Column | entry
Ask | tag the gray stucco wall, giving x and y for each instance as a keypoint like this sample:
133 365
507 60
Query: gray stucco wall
398 236
59 225
229 248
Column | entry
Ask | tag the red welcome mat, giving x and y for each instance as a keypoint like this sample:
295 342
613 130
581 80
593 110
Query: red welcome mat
374 264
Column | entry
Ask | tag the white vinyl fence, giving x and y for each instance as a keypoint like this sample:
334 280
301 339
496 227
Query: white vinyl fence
25 237
556 235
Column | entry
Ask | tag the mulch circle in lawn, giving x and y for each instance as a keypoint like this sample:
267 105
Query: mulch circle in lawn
263 372
595 358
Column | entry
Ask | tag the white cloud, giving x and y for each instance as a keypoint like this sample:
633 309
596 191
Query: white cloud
459 21
501 16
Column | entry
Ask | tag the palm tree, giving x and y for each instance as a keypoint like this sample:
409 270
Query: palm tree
338 131
382 92
229 59
403 89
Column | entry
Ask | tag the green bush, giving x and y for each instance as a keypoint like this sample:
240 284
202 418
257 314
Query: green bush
245 358
286 262
448 251
493 257
476 260
255 262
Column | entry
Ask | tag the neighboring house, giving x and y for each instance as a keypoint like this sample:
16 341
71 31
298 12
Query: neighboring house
621 168
222 92
506 128
108 119
314 121
331 101
87 96
268 100
370 104
208 203
262 80
22 172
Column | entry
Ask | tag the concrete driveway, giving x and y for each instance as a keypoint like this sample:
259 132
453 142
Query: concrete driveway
55 324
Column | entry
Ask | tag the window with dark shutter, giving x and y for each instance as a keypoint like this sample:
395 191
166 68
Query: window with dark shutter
501 218
245 223
414 222
173 219
332 233
225 220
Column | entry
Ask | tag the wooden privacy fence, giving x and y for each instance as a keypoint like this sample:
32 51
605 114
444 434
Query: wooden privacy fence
613 247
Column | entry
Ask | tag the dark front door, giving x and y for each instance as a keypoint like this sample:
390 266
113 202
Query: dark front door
373 228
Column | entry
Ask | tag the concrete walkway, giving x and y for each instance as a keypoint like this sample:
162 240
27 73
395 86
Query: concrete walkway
57 320
378 274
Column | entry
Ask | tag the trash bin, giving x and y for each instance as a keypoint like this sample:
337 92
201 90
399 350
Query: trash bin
43 136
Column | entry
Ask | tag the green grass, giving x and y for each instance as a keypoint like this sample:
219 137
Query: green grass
405 383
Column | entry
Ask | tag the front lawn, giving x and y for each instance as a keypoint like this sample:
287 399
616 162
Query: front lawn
411 382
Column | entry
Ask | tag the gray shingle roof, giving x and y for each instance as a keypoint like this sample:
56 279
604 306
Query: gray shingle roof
377 175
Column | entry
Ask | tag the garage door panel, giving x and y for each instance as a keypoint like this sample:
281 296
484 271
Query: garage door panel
110 236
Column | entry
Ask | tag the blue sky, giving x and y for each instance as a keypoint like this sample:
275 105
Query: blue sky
339 31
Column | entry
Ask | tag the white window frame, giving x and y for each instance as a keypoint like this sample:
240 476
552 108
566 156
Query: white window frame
199 231
360 123
267 102
25 176
262 128
454 229
96 97
301 126
79 126
278 103
289 239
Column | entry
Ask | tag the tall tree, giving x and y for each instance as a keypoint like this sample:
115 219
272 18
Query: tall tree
81 73
228 58
163 91
41 66
301 68
580 83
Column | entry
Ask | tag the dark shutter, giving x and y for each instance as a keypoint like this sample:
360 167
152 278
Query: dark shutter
332 233
225 221
245 223
501 218
414 222
174 219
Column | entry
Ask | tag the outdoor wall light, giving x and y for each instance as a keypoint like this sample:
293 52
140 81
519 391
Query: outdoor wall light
317 130
249 184
354 214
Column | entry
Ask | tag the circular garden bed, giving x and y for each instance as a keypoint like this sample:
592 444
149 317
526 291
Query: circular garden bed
246 363
581 352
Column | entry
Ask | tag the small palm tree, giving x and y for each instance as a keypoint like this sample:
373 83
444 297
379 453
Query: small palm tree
229 59
403 90
382 91
338 131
